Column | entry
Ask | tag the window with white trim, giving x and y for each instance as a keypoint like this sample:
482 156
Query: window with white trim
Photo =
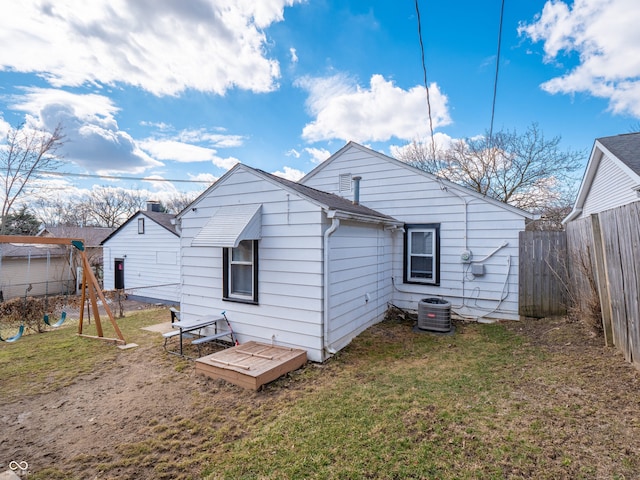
141 226
240 272
422 254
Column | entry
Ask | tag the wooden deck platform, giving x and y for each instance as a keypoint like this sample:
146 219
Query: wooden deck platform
251 364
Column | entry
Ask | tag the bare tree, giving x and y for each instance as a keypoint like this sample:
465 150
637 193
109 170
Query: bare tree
25 154
179 201
525 170
110 206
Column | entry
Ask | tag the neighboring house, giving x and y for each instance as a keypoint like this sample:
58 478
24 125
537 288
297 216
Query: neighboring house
93 238
456 244
290 265
612 177
46 267
40 269
142 257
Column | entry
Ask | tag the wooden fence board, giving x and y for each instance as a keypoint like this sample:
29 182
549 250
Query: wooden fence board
542 274
615 281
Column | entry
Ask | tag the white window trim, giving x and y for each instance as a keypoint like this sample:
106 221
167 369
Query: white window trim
435 277
228 294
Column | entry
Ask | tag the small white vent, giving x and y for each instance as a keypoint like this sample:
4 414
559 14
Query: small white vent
345 182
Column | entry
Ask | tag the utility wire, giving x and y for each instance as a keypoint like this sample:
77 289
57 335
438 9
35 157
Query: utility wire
495 82
426 85
115 177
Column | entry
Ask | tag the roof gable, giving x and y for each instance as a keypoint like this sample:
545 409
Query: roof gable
162 219
622 150
625 148
328 201
446 184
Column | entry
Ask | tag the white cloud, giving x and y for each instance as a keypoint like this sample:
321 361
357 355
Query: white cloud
318 155
184 152
92 137
442 142
344 110
293 153
606 38
294 55
161 46
290 174
204 177
215 139
4 127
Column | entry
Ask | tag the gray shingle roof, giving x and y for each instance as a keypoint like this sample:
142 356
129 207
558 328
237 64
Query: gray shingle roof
163 219
92 236
626 148
332 201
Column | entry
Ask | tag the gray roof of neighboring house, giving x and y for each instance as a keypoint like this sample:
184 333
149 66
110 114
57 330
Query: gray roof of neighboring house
20 250
92 236
332 201
162 219
626 148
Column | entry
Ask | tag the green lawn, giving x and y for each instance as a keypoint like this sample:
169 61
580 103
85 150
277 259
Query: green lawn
485 403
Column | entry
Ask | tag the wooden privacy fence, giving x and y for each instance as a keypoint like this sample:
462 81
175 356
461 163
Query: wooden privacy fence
591 271
542 274
609 243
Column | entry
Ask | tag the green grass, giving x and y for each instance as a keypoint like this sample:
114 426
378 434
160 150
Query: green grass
24 370
413 409
481 404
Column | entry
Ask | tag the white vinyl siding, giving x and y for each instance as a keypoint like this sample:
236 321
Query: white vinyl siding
414 198
611 187
290 253
359 285
151 261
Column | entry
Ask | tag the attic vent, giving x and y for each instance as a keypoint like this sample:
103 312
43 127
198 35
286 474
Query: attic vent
345 182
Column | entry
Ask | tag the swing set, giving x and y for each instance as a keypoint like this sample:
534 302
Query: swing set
89 284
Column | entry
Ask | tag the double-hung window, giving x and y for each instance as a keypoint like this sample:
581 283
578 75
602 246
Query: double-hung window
240 272
422 254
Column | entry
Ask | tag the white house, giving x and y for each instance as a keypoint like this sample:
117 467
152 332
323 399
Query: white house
456 244
143 257
612 176
290 265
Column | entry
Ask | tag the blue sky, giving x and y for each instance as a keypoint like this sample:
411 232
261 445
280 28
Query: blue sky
183 90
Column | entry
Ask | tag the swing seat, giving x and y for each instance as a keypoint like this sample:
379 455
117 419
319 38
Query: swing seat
15 337
63 317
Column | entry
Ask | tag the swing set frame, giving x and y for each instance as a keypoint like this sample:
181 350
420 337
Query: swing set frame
89 283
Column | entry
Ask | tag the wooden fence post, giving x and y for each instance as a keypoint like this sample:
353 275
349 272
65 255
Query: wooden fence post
602 280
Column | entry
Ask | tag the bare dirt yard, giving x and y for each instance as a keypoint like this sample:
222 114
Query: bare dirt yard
87 429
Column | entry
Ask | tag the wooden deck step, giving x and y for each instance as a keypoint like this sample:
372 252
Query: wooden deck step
251 364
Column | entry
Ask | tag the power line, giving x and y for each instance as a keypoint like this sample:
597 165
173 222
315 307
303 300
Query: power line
495 82
115 177
426 85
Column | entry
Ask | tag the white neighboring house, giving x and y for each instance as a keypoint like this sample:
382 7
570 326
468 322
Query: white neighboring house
290 265
143 257
456 244
612 176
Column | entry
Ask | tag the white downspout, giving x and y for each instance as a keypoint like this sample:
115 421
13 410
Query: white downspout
335 223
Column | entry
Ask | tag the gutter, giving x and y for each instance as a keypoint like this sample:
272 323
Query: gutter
335 224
